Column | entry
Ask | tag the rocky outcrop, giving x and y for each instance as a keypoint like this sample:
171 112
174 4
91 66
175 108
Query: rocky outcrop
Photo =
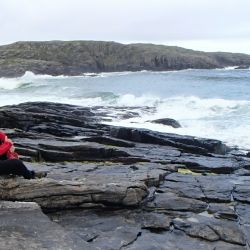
77 57
119 188
183 143
52 194
168 122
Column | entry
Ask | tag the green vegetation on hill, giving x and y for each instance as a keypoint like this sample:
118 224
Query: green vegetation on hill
77 57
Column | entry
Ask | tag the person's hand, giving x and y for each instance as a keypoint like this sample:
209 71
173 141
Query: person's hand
12 149
8 140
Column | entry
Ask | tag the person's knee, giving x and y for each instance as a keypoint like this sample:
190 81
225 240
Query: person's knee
17 162
16 166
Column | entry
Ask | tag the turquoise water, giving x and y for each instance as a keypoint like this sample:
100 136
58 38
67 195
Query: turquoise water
207 103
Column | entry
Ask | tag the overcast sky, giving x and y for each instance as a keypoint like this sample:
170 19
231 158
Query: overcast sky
209 25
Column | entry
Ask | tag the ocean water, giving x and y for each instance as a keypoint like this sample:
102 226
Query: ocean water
207 103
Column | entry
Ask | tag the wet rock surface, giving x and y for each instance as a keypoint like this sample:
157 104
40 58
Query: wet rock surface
119 188
25 226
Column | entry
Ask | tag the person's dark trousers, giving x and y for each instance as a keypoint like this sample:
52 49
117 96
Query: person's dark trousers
15 167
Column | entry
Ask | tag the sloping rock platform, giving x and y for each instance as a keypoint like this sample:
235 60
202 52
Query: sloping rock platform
119 188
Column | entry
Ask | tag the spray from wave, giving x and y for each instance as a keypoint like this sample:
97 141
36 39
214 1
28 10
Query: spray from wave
28 78
227 120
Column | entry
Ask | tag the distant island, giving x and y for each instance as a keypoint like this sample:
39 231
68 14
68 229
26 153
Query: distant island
78 57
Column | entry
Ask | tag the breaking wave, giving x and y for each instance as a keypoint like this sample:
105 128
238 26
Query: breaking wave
207 103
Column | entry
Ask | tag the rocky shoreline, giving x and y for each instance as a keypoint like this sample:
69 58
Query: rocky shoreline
119 188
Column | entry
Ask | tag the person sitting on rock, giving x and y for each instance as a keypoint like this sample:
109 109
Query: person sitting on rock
10 163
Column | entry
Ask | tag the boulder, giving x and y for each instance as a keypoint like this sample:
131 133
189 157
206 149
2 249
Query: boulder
168 122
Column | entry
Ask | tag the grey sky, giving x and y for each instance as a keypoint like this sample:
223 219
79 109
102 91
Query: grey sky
199 24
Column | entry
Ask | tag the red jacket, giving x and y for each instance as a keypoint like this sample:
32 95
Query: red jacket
5 147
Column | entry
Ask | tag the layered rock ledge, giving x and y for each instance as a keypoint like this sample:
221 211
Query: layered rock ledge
119 188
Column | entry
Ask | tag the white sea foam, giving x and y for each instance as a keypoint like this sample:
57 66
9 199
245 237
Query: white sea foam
9 84
28 77
183 107
230 67
132 100
13 83
235 136
110 74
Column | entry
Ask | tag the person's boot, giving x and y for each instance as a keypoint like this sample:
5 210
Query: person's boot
31 175
37 174
40 174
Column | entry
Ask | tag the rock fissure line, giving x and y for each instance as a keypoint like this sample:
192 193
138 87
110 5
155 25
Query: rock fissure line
132 242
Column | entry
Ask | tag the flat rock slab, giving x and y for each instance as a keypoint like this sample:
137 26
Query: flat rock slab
24 226
137 229
211 229
103 229
49 193
220 165
177 240
171 202
149 173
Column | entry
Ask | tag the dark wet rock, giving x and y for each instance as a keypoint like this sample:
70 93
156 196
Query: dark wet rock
216 188
154 153
156 221
55 119
70 151
177 239
242 172
216 164
246 231
103 229
243 210
207 188
150 174
129 115
241 192
195 228
223 211
168 122
183 185
186 143
110 141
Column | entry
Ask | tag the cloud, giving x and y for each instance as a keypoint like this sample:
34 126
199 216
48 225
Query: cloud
124 20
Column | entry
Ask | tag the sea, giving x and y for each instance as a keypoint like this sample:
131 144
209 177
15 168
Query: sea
207 103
